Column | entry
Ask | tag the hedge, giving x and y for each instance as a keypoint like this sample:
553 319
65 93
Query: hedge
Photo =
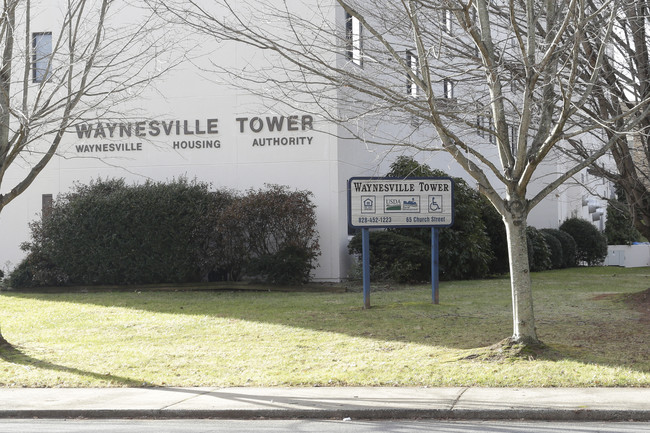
568 246
395 257
591 245
539 254
108 232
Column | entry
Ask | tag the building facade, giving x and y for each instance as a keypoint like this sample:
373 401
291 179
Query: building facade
193 124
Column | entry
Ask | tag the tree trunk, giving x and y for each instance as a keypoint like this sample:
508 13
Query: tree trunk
522 296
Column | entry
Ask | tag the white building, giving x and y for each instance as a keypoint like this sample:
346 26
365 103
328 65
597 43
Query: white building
195 126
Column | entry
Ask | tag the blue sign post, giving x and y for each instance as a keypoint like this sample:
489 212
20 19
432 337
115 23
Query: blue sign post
435 265
365 253
392 202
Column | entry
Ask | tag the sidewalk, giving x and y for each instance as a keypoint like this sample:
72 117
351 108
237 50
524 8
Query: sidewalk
329 403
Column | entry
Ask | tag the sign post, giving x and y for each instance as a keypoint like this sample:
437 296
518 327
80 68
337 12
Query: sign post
365 252
393 202
435 265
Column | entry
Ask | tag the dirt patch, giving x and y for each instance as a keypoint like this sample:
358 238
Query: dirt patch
605 296
639 301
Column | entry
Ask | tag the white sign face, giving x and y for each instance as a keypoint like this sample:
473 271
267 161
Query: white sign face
392 202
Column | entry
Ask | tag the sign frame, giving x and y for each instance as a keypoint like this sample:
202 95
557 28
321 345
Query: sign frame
381 192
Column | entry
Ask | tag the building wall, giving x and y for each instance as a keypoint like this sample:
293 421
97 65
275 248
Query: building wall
194 125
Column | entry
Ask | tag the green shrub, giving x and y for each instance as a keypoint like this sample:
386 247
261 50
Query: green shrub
274 227
591 245
555 248
21 275
110 233
496 231
619 228
539 255
395 257
291 264
464 248
568 245
35 270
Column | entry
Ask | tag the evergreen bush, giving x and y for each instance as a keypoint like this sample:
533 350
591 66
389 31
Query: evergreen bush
278 230
496 231
110 233
619 228
539 255
465 250
395 257
568 245
555 249
591 245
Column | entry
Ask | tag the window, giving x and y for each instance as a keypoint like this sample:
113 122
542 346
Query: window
480 126
513 138
448 89
46 204
412 63
41 56
484 127
490 128
446 20
353 39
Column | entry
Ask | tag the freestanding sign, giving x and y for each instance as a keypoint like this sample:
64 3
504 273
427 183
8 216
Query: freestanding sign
410 202
395 202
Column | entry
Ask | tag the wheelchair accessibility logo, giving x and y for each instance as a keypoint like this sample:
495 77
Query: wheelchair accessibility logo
435 204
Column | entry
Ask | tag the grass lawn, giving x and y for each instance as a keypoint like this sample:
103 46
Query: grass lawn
595 336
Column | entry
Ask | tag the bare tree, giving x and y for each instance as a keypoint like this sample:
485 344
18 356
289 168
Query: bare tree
498 85
96 57
623 84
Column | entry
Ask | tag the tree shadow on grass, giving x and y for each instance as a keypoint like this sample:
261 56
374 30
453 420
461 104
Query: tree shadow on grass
462 321
13 355
393 317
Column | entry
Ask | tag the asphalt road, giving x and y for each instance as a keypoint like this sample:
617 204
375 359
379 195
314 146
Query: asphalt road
309 426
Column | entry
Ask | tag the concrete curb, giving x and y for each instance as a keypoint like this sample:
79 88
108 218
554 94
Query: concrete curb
565 404
378 414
